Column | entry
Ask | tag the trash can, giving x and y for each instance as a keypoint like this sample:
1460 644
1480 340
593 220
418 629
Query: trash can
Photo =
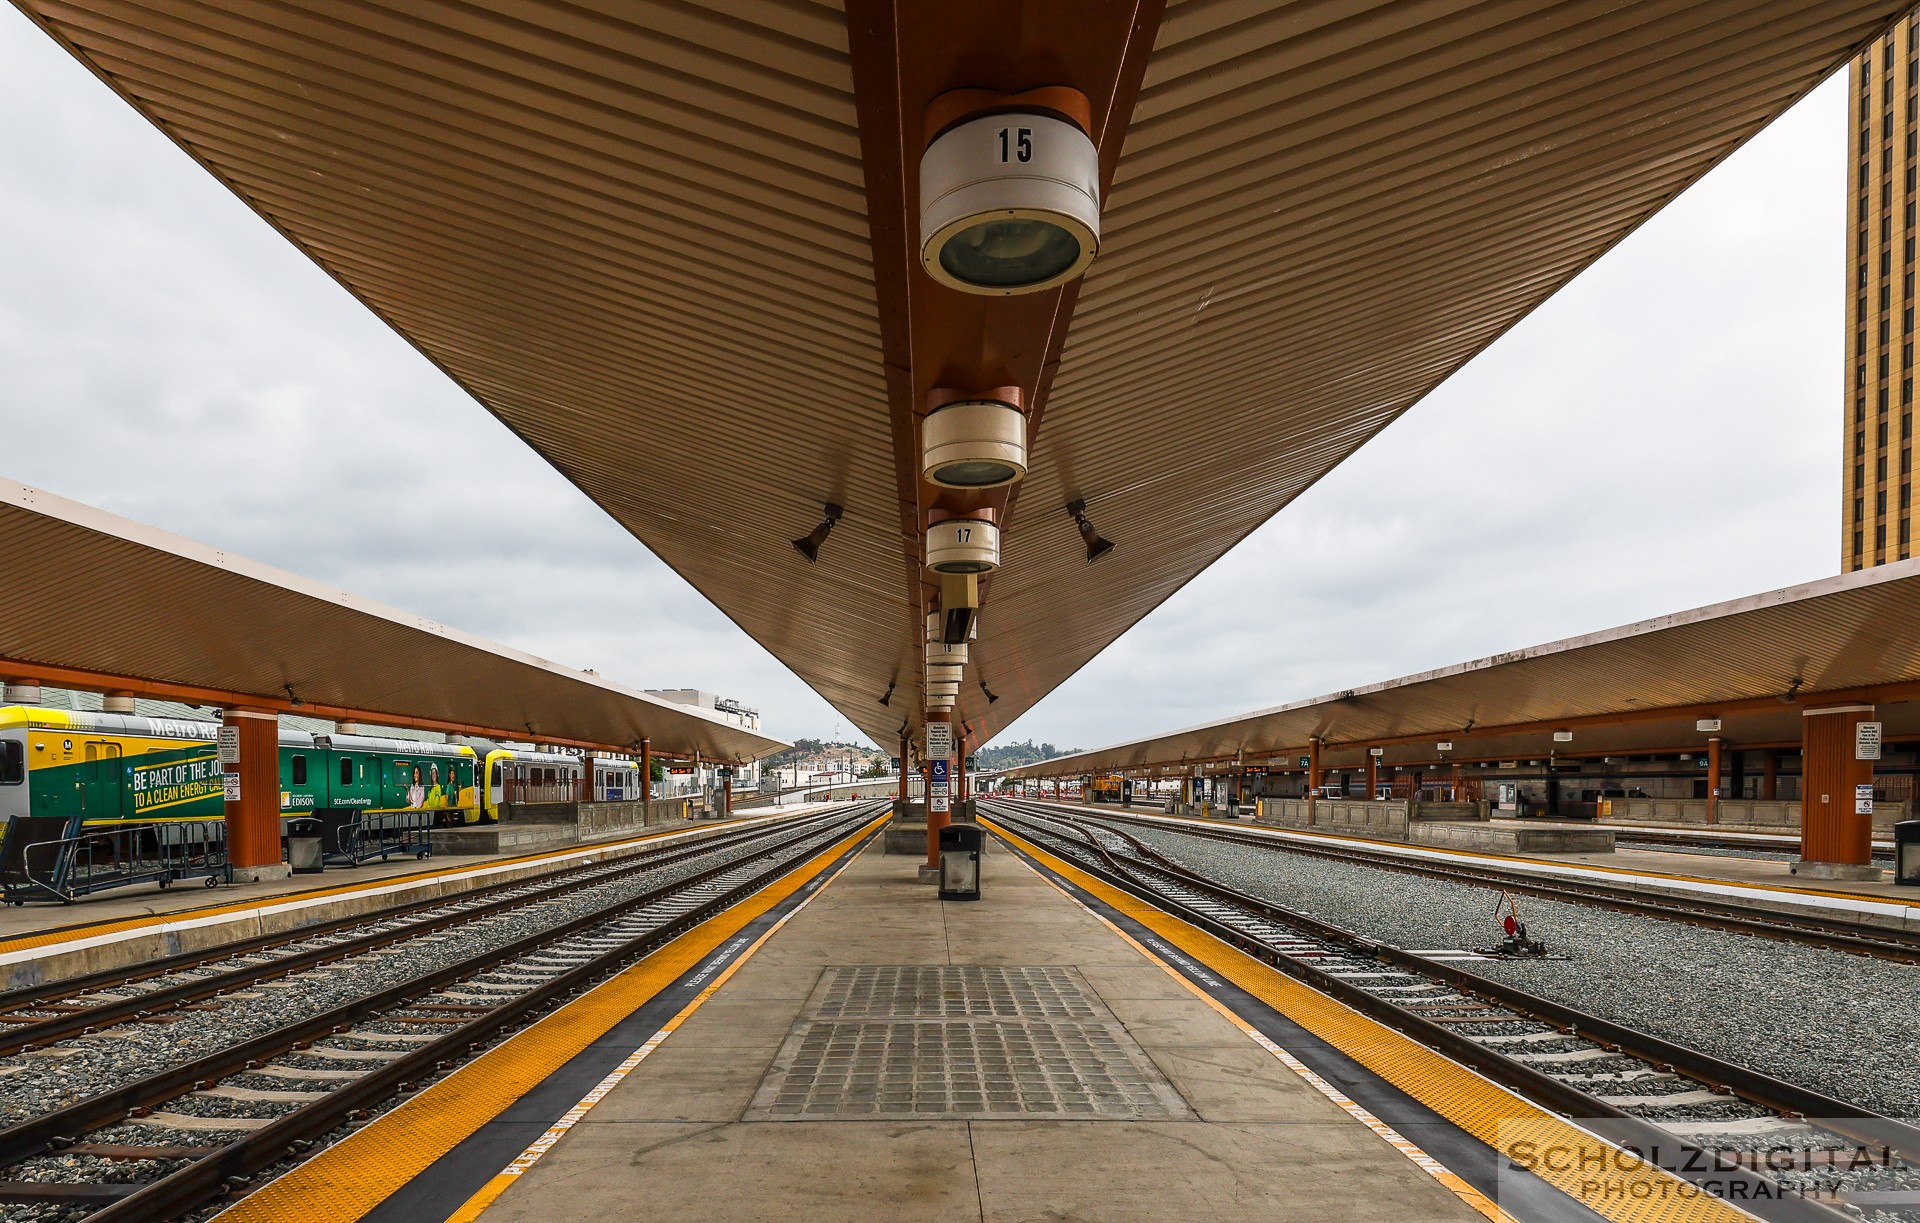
1906 853
960 862
306 847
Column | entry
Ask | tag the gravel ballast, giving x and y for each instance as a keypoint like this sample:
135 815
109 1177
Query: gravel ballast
1844 1025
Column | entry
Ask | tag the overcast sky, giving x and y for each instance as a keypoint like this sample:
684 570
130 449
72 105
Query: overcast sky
1656 437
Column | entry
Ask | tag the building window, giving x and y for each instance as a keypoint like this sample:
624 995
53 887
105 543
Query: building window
1860 344
1907 318
1859 411
1859 475
1859 509
1883 400
1880 502
1906 529
1906 422
1882 440
1883 364
1906 390
1906 496
1880 468
1860 443
1880 537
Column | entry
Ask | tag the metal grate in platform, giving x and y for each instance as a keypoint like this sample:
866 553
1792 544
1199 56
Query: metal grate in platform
960 1042
954 991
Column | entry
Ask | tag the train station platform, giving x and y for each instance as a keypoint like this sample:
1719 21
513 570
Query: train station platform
1765 882
857 1049
42 942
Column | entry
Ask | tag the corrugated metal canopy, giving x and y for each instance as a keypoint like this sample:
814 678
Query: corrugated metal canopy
1754 662
138 602
637 233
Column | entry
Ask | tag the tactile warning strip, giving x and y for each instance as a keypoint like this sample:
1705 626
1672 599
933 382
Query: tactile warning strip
960 1042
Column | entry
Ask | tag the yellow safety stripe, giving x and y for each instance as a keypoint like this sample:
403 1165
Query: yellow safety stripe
1626 871
1595 1172
523 1163
70 934
1426 1163
356 1174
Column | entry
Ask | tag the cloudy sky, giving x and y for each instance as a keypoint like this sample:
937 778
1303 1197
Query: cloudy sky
1656 437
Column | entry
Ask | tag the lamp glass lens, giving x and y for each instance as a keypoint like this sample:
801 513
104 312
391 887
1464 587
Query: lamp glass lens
963 567
1008 253
975 473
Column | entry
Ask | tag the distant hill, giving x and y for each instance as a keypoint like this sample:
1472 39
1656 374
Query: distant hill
1012 755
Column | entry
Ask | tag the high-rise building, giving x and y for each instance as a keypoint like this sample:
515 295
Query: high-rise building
1883 135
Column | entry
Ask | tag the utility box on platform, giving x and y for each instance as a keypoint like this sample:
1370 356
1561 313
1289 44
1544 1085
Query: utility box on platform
960 862
1906 853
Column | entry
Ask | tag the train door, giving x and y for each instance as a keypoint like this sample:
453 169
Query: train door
100 782
13 777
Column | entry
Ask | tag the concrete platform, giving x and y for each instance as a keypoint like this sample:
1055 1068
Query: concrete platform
1515 837
1252 1139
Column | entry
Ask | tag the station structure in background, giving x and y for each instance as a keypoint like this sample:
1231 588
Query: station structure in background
254 642
1798 708
956 287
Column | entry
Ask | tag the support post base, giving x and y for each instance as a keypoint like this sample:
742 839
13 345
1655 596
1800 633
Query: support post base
929 874
1850 871
262 874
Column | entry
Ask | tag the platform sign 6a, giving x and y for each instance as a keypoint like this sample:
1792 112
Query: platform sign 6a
937 778
1866 740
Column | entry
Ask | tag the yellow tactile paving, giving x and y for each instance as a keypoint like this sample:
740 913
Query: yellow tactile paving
74 934
356 1174
1616 1187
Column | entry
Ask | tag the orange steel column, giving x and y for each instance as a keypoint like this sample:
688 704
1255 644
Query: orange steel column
253 816
1831 832
937 820
646 776
1713 780
1313 777
1770 775
1373 776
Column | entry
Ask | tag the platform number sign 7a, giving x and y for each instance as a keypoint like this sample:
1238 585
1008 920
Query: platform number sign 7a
1016 144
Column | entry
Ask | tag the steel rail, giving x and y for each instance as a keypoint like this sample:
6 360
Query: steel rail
95 1015
1898 945
210 1176
48 1131
23 998
1651 1140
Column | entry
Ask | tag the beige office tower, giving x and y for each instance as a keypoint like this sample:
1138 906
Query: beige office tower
1882 133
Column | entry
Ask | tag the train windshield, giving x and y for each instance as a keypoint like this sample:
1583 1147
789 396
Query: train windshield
13 762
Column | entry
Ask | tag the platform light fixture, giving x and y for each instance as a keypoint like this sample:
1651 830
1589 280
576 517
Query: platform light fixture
968 545
1707 726
808 545
1009 191
976 440
991 698
1096 546
1563 736
886 698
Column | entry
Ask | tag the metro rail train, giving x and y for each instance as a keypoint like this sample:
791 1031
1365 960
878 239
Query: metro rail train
123 768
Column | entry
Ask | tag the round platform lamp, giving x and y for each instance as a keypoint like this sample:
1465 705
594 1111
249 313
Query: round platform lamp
1009 191
944 674
973 440
938 703
963 545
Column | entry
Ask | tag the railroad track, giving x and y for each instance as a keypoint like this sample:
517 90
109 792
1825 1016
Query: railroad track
43 1014
1702 1114
177 1134
1882 943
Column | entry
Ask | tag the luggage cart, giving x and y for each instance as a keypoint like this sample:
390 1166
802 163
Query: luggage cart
61 859
362 836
